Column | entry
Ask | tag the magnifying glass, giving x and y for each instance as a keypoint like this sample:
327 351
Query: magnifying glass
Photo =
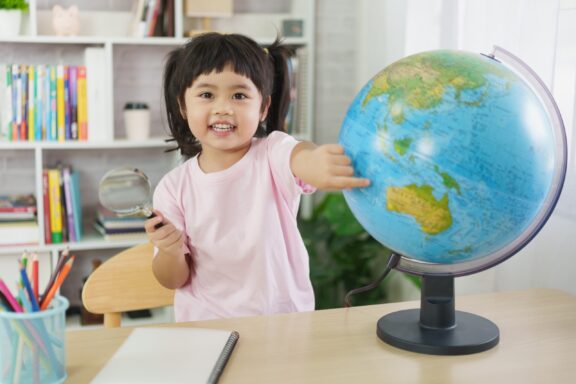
126 191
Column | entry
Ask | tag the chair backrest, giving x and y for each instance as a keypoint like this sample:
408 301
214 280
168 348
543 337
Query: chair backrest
125 282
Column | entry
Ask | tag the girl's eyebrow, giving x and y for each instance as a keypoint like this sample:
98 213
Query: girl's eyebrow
212 86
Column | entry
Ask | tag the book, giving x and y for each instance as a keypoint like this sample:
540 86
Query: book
46 207
170 355
55 205
53 136
82 104
31 103
17 207
19 232
5 102
120 235
18 203
97 96
110 220
116 229
40 128
67 183
16 102
76 203
60 104
73 79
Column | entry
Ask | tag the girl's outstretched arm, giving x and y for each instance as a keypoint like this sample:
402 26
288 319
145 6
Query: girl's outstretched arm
324 167
170 266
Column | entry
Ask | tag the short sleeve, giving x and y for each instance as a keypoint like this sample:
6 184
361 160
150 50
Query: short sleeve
166 200
279 150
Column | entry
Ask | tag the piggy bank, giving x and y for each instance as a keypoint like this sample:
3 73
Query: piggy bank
65 21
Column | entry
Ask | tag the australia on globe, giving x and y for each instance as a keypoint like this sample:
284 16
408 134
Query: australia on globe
462 155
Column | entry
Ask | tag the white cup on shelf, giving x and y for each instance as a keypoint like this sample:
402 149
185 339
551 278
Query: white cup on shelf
137 121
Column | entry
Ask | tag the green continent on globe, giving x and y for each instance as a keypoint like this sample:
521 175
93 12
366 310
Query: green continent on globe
401 146
418 201
420 81
448 180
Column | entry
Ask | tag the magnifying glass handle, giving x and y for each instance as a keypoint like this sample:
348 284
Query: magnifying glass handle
159 225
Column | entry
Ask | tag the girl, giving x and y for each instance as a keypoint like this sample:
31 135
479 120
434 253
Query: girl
228 239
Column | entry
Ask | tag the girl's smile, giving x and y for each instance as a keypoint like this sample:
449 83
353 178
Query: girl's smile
222 129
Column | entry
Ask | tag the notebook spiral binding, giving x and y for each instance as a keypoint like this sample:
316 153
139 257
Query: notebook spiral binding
223 358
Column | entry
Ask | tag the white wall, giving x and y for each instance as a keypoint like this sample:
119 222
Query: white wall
543 34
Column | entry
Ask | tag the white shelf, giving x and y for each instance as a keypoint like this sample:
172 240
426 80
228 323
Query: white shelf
89 243
69 145
125 40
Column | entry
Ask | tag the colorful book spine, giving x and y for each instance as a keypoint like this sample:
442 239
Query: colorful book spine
46 202
47 109
67 127
76 203
16 113
31 103
63 210
73 79
39 102
69 208
6 102
24 97
82 104
60 104
53 105
55 205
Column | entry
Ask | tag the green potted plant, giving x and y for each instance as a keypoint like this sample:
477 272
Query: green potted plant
343 256
11 16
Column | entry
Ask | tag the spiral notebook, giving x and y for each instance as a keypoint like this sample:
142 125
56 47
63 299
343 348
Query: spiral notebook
170 355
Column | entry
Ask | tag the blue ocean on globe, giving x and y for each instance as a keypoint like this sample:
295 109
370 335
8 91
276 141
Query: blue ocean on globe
460 152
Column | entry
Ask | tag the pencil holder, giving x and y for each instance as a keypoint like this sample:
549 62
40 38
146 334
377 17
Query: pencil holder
33 345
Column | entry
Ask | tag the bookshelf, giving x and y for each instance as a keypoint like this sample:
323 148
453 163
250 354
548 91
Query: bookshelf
130 69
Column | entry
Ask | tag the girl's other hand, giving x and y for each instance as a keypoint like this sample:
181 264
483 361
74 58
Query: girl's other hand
166 238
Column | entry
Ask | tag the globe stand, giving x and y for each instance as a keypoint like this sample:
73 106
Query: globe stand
437 328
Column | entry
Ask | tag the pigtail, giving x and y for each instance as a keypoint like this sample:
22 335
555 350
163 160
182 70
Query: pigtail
187 144
278 55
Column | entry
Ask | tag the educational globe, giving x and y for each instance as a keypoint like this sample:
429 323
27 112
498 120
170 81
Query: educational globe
466 155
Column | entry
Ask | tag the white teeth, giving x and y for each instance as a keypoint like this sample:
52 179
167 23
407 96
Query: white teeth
222 127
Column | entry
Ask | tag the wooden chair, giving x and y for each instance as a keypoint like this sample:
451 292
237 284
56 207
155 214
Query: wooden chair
125 282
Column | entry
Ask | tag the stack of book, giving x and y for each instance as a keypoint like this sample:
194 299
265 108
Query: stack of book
62 205
152 18
18 224
43 102
113 227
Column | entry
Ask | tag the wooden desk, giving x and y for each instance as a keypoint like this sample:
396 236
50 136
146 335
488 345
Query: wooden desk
537 345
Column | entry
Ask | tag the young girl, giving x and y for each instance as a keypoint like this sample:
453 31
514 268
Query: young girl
228 239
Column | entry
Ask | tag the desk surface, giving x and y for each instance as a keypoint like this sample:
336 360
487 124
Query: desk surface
537 345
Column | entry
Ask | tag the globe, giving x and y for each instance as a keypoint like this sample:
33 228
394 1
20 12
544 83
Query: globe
466 154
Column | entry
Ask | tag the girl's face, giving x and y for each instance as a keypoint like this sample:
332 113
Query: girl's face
223 111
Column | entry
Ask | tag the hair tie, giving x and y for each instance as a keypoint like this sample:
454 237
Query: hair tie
266 51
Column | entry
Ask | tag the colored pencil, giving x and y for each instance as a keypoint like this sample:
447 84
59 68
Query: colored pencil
61 277
35 272
64 256
28 287
8 295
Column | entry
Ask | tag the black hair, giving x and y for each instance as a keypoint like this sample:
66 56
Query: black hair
266 67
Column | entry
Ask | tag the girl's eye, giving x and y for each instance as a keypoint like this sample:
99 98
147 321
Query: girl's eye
205 95
239 96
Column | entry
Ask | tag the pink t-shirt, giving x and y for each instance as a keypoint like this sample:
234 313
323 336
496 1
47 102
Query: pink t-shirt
241 232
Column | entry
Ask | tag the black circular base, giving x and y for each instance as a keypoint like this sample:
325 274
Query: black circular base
471 334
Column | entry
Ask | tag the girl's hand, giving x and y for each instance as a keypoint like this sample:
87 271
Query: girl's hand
325 167
166 238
